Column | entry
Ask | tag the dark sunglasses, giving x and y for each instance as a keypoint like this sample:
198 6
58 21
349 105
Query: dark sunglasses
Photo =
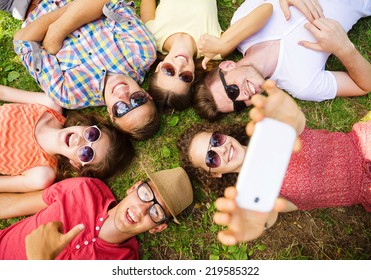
212 158
155 212
120 108
169 70
86 153
232 92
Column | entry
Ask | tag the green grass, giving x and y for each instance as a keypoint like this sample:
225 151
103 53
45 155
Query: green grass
342 233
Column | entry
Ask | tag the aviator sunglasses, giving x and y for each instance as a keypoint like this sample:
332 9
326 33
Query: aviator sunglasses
120 108
212 158
232 92
86 153
155 212
169 70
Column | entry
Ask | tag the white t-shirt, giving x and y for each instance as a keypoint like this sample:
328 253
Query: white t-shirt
194 17
301 71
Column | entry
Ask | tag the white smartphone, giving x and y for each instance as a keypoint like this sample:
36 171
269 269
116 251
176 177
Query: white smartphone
265 164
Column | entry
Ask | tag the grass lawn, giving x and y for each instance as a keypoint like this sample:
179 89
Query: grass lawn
338 233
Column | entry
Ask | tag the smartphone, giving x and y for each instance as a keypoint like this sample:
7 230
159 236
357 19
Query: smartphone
265 164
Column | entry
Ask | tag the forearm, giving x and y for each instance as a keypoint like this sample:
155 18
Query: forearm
77 13
16 205
358 68
245 27
147 10
37 29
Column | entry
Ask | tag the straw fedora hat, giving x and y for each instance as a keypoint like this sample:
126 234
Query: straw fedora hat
174 187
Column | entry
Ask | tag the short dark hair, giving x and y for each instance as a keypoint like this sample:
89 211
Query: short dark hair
236 131
166 98
203 101
120 151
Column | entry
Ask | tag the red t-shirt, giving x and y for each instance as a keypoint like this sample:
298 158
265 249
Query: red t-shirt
72 201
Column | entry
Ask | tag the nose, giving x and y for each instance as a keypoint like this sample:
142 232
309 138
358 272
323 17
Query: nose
221 150
121 91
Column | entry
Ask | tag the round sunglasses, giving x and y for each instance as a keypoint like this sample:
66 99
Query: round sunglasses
120 108
232 92
86 153
212 158
169 70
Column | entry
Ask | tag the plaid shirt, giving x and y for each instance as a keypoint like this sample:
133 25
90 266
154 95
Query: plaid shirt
118 43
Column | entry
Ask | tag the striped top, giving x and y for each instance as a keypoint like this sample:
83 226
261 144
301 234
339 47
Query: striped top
19 149
116 43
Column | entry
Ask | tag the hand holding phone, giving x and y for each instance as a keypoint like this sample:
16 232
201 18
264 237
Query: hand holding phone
265 164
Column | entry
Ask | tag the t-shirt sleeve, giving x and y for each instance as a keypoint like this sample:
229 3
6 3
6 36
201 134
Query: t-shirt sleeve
322 87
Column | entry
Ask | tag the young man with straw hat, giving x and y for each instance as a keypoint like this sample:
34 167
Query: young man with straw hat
107 228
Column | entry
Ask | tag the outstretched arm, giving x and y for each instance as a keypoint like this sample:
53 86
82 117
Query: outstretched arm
20 204
147 10
9 94
47 241
333 38
210 46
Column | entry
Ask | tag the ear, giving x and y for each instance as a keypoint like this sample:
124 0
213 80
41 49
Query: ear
133 187
216 175
227 65
158 228
75 164
158 66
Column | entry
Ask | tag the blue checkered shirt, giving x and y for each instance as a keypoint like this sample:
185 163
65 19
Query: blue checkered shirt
116 43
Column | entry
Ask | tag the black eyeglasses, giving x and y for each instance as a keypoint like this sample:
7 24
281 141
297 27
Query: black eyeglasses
212 158
120 108
232 92
169 70
155 212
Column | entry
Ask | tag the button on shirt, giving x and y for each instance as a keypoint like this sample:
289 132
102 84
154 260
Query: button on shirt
116 43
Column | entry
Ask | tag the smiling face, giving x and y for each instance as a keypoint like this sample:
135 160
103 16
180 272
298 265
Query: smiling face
71 139
131 215
245 77
121 88
174 71
231 154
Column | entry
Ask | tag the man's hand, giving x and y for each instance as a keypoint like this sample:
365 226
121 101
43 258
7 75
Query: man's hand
47 241
331 37
310 8
53 41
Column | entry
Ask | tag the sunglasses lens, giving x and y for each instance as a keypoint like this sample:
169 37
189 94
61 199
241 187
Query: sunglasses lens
85 154
233 92
138 98
186 76
168 69
119 109
217 139
212 159
238 106
92 134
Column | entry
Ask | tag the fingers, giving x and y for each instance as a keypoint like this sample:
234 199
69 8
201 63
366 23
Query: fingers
285 9
225 205
204 62
297 145
230 193
73 233
227 238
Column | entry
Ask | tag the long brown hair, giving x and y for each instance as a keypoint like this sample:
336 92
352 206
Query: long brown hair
119 153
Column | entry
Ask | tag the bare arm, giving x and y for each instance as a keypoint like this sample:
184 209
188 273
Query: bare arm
210 46
77 13
147 10
33 179
332 38
9 94
20 204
